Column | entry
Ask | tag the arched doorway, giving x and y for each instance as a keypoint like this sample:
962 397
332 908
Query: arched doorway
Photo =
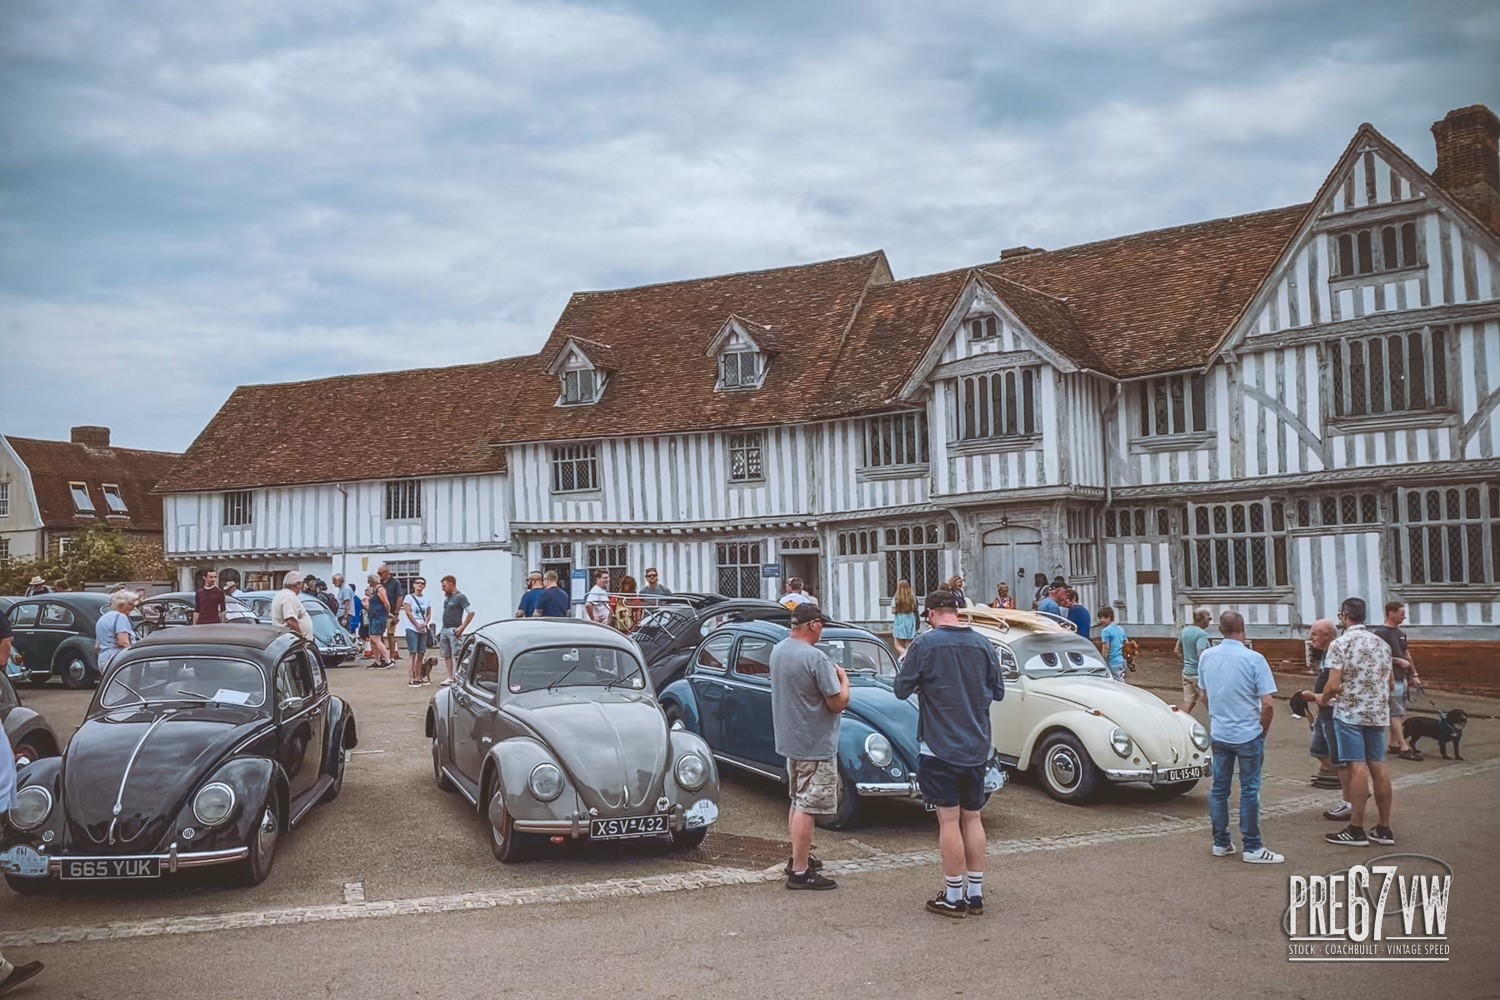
1011 555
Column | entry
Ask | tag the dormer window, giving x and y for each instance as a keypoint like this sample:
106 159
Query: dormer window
581 387
984 328
741 370
115 499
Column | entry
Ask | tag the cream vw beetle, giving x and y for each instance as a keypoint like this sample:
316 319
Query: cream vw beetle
552 731
1065 715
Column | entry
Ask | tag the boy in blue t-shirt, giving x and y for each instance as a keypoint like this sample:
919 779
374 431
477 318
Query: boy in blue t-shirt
1112 640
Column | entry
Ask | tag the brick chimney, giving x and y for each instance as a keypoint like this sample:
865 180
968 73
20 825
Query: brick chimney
1011 253
1468 160
94 437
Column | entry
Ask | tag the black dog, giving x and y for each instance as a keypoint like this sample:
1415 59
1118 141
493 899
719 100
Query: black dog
1447 728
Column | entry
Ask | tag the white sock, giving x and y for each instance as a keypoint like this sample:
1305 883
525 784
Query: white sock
976 884
955 886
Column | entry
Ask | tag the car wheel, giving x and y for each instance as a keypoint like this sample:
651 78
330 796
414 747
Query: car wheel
504 841
27 751
848 808
1177 787
28 886
686 840
443 782
673 712
264 839
1066 770
338 776
75 671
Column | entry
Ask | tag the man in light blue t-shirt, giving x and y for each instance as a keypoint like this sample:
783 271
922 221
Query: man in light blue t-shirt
1193 643
1237 688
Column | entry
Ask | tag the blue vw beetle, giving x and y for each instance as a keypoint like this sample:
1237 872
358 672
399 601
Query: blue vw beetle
726 699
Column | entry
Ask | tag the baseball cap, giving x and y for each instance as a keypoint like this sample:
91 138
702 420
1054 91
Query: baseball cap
807 613
941 598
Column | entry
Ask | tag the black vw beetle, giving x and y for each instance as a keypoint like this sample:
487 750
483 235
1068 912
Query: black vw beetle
203 746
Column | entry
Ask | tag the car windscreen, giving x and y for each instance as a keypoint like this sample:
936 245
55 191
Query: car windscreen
237 611
862 656
1055 653
659 626
185 678
325 626
573 666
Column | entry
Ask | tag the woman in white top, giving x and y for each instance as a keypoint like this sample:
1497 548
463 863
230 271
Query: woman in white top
418 611
114 630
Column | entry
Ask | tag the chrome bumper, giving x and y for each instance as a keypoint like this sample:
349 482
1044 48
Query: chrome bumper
1151 775
895 789
170 862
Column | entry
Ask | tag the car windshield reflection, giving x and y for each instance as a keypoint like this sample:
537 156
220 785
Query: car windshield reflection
574 666
185 678
860 656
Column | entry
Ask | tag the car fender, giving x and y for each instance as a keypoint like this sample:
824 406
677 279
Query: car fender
251 778
436 726
684 742
508 767
853 763
339 733
46 773
680 695
23 725
70 646
1090 729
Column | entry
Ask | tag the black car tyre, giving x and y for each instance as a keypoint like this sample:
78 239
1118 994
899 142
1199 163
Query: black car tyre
74 670
28 886
338 776
444 785
1066 770
848 807
673 712
686 840
504 841
264 839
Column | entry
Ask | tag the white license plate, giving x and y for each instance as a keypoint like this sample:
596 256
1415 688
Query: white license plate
628 826
1179 774
111 868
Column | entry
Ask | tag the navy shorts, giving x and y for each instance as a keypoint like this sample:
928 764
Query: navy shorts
946 785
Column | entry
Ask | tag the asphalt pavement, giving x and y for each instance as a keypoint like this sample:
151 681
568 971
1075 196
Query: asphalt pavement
391 891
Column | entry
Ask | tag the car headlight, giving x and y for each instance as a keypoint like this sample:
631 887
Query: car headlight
878 749
546 782
1119 741
691 771
1199 736
31 807
213 803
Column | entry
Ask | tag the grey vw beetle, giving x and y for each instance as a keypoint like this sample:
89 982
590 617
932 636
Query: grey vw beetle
552 731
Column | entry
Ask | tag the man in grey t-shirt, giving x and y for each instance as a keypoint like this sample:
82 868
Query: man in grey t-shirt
808 695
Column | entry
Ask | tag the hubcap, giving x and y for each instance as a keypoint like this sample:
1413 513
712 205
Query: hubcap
265 835
1063 768
77 669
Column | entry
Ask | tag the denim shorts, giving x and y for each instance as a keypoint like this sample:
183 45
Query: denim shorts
416 642
1360 744
1324 743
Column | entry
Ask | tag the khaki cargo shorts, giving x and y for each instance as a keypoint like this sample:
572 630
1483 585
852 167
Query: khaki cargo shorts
813 786
1190 690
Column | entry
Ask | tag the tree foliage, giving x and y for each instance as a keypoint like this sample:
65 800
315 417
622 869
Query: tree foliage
96 554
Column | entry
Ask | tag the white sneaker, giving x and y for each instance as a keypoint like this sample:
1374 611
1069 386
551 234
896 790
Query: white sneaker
1223 852
1264 856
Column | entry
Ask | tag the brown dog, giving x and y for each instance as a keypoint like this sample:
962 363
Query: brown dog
427 666
1447 728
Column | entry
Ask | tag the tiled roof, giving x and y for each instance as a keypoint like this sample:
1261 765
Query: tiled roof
659 335
895 324
1048 317
55 464
431 422
1158 301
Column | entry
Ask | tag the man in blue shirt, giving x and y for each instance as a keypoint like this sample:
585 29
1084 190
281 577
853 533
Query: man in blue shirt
1237 687
1051 604
1076 613
958 674
531 600
554 602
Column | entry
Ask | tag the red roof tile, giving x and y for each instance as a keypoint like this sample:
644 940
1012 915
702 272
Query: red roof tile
55 464
256 439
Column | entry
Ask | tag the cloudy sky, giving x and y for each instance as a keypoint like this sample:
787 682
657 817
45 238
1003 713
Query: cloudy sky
196 194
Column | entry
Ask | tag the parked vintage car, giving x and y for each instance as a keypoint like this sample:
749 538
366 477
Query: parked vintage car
670 633
726 699
552 729
1065 716
203 746
29 735
336 646
174 610
54 635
